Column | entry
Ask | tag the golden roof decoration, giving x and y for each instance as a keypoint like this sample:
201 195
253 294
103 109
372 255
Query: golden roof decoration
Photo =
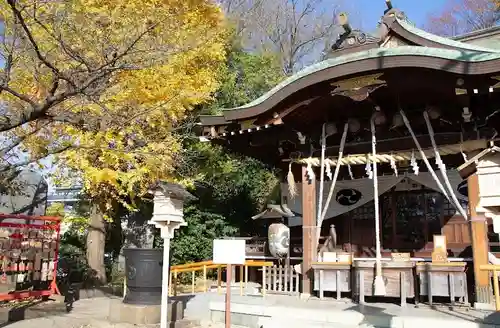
248 124
496 85
357 83
358 88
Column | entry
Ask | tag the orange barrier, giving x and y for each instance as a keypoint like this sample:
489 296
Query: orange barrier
209 265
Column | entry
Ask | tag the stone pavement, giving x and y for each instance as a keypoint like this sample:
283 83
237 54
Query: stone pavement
87 313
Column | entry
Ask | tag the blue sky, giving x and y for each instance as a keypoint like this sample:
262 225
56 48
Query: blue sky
372 10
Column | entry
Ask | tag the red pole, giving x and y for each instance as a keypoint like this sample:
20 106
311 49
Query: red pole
53 285
229 270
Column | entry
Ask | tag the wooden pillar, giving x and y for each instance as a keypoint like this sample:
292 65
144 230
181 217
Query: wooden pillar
480 246
308 230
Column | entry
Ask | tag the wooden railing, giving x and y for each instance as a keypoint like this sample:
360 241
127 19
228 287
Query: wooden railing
495 269
282 279
206 266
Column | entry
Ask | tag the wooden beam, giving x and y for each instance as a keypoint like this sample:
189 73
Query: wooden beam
480 247
308 230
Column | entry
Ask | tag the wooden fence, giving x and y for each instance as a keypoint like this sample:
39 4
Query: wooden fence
281 279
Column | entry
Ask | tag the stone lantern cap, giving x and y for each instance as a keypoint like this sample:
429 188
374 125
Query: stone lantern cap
173 190
169 201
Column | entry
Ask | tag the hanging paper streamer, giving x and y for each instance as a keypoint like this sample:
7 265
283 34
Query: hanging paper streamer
368 168
463 154
350 171
310 172
414 164
393 166
328 170
292 188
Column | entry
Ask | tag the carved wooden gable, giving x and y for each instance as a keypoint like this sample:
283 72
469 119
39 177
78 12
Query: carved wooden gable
393 41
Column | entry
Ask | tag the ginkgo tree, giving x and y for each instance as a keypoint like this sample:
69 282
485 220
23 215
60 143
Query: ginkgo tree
104 85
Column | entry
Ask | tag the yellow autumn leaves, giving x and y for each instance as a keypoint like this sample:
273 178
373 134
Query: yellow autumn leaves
129 72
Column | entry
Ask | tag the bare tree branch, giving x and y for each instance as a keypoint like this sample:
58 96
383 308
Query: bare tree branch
295 30
17 13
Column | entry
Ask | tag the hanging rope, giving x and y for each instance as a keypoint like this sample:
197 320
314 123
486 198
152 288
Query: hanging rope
379 285
322 176
442 168
461 147
360 159
424 158
334 181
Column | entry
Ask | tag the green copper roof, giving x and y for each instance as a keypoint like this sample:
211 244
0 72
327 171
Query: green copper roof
490 43
451 54
445 41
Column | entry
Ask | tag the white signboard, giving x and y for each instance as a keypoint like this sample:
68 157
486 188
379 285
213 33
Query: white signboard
229 251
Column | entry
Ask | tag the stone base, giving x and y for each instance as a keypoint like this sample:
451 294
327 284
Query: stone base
484 306
57 298
120 312
305 296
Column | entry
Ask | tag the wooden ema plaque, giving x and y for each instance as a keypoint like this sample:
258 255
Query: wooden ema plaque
439 254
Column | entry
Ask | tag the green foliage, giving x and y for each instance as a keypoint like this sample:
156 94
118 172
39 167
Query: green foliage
230 188
55 209
194 242
245 77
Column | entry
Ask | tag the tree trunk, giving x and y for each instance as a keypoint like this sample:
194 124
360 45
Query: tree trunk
96 240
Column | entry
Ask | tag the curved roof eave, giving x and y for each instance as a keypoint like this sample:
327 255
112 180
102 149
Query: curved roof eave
435 40
365 61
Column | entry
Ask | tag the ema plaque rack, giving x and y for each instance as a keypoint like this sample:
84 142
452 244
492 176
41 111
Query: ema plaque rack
29 250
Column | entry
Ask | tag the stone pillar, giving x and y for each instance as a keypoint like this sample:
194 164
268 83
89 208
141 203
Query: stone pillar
480 247
308 230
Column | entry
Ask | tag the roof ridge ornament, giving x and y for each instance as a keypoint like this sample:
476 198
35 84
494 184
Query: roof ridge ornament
391 11
388 3
351 38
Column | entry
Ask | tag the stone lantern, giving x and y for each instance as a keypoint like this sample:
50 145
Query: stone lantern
168 215
147 269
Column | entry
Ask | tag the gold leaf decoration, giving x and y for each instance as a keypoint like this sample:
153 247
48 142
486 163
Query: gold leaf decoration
496 85
248 124
357 83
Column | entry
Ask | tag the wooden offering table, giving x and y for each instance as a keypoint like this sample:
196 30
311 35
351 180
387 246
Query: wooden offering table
332 277
446 279
398 277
